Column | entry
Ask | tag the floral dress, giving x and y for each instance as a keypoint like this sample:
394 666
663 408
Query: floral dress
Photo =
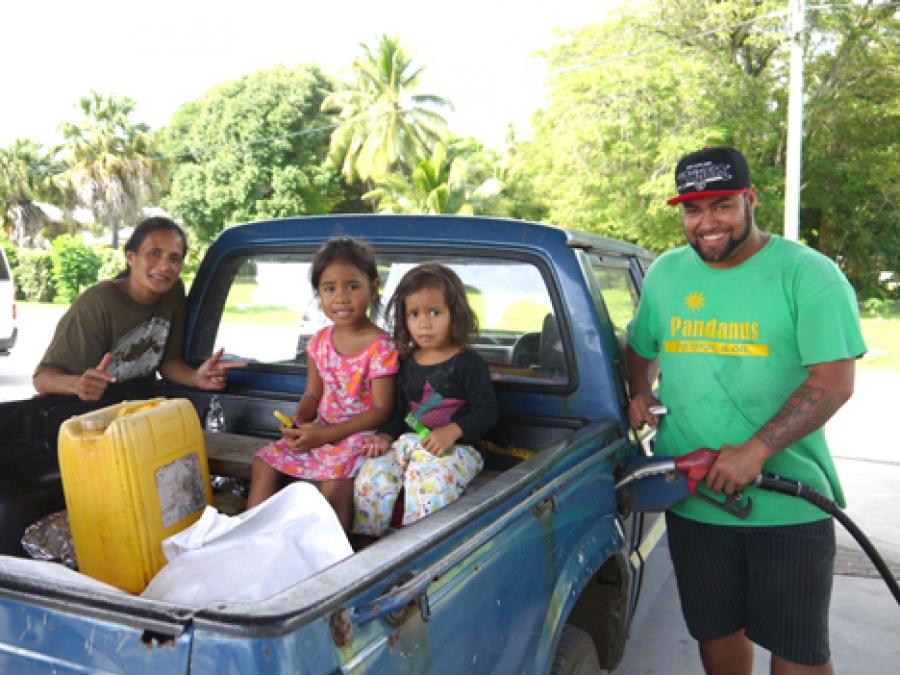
347 392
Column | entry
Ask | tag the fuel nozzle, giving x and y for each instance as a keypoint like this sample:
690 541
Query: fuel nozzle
694 466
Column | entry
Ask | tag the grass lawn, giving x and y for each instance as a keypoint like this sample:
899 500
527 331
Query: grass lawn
883 340
239 309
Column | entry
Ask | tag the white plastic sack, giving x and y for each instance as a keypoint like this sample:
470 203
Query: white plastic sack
254 555
52 571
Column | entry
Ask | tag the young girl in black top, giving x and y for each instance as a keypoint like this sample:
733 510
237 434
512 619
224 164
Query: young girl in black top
444 404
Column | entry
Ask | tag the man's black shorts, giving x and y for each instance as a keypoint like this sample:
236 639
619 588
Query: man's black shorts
774 582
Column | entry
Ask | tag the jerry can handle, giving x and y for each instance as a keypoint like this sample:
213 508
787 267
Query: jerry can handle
132 407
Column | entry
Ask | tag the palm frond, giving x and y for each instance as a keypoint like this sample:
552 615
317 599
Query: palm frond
430 99
386 136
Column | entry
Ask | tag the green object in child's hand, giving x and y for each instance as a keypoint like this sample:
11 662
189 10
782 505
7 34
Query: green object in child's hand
421 430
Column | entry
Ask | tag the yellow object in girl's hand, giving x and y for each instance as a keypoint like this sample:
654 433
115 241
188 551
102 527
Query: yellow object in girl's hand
285 420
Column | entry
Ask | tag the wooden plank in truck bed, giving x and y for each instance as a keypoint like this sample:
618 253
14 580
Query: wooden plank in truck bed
232 455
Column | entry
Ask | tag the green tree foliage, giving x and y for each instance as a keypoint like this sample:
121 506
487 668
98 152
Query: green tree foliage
27 176
112 261
851 169
231 174
34 276
12 252
459 181
111 167
385 126
75 266
671 76
513 170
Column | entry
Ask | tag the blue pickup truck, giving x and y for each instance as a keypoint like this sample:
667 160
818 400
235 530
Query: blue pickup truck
536 569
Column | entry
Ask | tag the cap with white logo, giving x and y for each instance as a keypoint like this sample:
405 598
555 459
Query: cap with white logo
711 172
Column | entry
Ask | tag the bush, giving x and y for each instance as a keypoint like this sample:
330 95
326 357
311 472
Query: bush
113 262
193 258
879 307
34 276
12 253
75 266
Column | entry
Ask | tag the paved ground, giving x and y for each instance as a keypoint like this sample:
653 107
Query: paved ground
36 325
865 440
865 623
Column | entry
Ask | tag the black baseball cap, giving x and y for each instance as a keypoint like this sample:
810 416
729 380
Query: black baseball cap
711 172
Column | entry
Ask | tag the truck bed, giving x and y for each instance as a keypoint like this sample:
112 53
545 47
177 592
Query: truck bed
31 487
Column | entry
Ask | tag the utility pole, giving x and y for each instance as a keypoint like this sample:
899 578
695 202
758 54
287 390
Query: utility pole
795 125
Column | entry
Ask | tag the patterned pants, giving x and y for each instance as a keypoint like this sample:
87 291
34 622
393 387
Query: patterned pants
431 483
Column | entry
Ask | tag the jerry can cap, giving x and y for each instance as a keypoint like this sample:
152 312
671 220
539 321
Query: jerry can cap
96 422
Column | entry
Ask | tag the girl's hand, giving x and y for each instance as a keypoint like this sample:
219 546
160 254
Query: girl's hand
376 445
441 440
305 437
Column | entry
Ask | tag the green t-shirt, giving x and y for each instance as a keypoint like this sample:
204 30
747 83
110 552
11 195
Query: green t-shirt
106 319
733 345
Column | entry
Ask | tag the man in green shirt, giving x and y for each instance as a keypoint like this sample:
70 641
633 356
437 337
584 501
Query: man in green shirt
755 339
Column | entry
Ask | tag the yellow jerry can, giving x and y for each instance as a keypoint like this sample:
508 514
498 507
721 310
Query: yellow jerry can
133 474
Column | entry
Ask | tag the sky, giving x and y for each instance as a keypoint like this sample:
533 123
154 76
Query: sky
479 54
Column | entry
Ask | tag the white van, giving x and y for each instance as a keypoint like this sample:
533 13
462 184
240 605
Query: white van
8 330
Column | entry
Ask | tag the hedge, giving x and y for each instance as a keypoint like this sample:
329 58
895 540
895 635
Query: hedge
34 276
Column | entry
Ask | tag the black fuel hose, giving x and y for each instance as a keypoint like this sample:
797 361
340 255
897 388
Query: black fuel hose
771 481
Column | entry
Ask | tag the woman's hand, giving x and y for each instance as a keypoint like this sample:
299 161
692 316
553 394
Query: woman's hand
211 374
377 445
93 382
442 439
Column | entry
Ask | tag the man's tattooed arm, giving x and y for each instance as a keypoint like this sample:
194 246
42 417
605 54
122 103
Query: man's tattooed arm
827 388
808 409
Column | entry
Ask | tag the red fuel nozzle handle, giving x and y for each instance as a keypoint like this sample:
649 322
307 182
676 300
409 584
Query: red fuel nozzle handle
695 465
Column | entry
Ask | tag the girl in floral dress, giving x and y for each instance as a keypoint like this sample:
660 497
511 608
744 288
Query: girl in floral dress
445 396
349 385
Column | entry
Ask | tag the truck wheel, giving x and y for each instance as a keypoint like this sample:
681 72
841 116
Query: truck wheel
576 654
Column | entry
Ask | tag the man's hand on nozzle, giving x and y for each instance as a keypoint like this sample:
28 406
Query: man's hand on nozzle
639 411
737 466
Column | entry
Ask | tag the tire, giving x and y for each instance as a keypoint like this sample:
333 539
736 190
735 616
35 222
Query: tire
576 654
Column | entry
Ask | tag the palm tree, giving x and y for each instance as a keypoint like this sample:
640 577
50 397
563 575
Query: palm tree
385 127
27 176
111 170
439 184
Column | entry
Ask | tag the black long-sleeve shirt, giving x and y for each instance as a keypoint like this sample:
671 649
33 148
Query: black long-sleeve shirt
467 397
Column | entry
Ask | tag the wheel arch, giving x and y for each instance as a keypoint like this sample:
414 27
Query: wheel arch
591 593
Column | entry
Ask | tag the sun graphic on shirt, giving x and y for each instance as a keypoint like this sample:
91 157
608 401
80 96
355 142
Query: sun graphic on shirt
695 301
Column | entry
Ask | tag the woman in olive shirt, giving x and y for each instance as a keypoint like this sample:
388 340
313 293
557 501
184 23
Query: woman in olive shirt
131 326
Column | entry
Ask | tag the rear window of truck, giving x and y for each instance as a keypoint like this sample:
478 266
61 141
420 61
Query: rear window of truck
270 312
